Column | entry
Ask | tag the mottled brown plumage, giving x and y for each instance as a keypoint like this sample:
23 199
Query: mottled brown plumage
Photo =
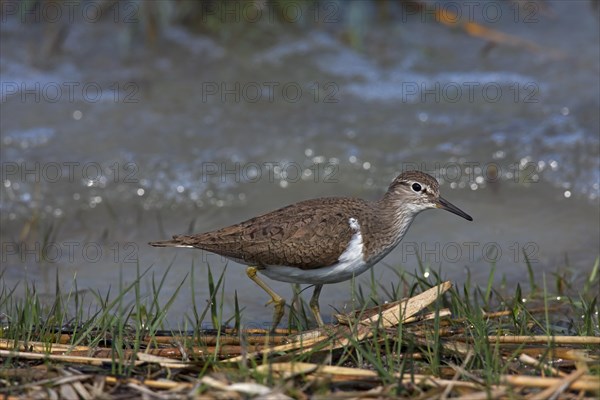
298 235
322 240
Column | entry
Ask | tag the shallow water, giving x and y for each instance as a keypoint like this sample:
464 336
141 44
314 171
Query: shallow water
108 146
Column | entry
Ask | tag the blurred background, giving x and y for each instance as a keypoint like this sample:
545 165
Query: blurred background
129 121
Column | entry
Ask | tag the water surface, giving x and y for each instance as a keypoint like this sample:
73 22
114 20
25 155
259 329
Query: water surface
198 131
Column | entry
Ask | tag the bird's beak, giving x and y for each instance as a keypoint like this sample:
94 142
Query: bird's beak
446 205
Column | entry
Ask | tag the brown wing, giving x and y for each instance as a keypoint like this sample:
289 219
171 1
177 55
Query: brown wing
309 234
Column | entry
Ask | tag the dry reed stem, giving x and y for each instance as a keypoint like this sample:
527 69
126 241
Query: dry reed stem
448 18
506 313
8 344
545 339
208 340
142 359
560 386
527 359
564 353
342 336
586 382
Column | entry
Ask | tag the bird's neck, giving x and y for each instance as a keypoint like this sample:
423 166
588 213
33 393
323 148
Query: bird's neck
395 216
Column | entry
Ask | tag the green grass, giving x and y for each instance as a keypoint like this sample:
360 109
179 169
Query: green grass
121 319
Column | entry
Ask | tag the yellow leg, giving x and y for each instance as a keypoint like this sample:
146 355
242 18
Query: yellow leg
314 304
277 300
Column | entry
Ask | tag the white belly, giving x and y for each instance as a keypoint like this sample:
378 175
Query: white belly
334 273
351 263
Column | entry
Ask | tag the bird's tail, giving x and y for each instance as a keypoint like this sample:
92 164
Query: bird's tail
175 242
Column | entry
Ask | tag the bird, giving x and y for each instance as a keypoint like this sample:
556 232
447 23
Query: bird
323 240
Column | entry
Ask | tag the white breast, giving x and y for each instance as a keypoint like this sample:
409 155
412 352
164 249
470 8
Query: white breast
351 263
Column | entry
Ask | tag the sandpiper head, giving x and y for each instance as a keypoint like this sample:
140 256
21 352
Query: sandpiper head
419 191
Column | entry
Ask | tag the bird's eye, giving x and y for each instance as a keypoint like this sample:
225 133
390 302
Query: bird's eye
416 187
